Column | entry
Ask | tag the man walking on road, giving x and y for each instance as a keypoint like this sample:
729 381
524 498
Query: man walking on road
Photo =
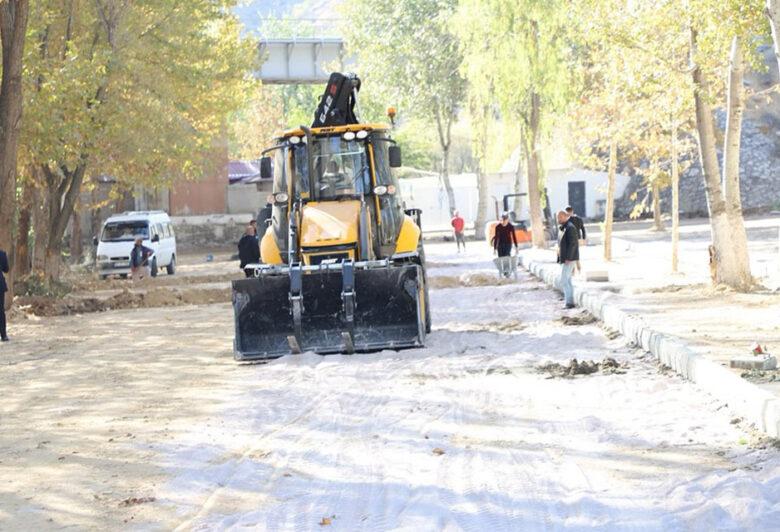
3 289
504 238
568 255
457 225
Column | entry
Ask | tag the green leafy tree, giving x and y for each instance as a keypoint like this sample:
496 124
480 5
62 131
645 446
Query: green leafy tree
521 47
406 52
139 92
723 37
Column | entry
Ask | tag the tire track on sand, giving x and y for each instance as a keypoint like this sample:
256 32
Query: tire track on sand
228 483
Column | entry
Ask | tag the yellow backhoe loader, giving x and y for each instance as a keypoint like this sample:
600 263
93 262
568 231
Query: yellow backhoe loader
343 267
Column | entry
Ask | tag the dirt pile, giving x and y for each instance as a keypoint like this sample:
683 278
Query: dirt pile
92 283
584 318
163 297
468 280
509 325
608 366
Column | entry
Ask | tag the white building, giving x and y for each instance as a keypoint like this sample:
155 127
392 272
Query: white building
585 190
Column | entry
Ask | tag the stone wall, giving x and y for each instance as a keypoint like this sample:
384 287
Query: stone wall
759 173
209 231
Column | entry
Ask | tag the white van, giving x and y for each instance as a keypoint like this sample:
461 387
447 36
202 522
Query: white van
118 237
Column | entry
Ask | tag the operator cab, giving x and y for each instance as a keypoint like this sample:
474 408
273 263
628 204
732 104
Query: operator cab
351 162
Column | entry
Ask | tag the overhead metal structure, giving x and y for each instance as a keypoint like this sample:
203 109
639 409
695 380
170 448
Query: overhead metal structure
301 60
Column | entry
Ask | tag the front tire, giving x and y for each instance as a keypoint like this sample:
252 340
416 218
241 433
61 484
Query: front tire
427 299
154 271
171 268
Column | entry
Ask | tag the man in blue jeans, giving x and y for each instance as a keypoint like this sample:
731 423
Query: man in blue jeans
568 255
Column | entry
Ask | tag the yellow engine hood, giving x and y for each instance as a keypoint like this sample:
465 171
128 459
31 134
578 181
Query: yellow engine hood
330 223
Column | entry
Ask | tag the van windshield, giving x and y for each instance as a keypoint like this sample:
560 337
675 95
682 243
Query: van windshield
125 231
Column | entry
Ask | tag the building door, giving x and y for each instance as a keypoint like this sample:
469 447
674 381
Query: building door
577 198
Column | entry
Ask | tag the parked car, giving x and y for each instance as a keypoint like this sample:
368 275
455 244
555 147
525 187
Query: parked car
117 239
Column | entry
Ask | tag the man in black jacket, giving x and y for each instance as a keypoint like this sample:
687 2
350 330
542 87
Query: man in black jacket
568 255
248 250
3 289
576 222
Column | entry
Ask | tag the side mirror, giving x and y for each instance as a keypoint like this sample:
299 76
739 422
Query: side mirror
394 152
95 241
266 168
156 238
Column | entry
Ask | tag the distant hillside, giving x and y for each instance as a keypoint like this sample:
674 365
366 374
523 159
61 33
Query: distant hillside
315 16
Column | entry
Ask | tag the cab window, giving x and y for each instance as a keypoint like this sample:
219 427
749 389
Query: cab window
391 212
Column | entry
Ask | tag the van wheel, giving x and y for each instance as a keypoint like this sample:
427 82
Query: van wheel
103 277
123 275
154 268
171 268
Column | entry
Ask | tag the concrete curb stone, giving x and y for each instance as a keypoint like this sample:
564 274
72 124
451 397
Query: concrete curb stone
756 405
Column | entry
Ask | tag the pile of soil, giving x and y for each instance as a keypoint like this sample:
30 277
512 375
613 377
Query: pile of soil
506 326
163 297
608 366
92 283
761 376
467 280
584 318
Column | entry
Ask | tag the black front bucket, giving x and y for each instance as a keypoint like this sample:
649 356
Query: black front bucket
388 312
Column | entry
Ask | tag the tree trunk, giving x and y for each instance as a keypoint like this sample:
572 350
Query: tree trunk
76 247
444 130
13 26
728 268
40 219
481 115
517 186
675 201
773 13
482 206
610 207
731 155
534 177
445 178
23 263
658 224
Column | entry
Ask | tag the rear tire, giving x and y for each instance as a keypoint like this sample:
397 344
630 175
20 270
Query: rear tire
123 276
171 268
153 269
103 277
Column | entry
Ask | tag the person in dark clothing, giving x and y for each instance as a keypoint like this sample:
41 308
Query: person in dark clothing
139 259
568 255
577 222
253 225
4 268
505 237
248 250
264 215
